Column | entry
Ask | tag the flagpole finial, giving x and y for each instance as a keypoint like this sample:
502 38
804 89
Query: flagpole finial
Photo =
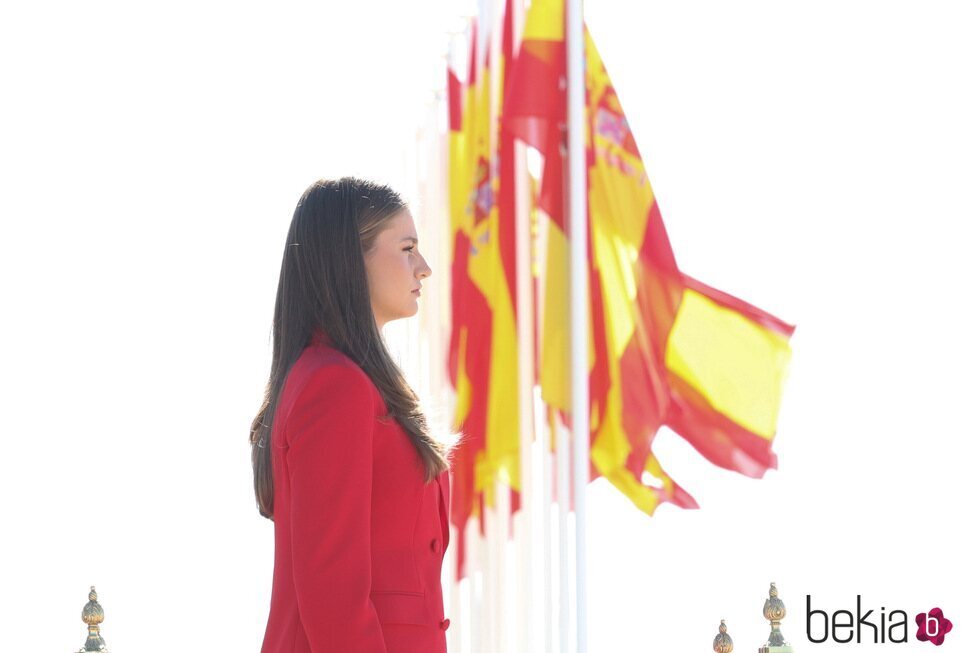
723 641
93 615
774 610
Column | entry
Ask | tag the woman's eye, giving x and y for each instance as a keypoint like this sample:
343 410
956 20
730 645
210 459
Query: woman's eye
410 248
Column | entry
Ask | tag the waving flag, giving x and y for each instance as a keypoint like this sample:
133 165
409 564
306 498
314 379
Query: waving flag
666 350
483 363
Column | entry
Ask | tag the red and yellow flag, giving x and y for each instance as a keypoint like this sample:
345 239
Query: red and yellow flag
483 345
664 348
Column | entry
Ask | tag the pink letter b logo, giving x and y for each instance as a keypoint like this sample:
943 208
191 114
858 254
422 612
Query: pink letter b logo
932 626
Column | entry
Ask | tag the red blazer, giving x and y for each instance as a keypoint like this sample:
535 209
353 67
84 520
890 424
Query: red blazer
359 536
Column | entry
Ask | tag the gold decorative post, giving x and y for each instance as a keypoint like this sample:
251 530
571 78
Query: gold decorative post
774 611
723 643
92 615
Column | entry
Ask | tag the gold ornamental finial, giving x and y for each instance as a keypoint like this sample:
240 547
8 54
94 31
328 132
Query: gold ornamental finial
723 642
774 610
93 615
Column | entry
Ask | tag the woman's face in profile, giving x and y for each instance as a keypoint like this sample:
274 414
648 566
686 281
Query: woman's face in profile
395 270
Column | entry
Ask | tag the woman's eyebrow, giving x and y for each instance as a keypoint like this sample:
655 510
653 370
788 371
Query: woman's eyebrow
411 238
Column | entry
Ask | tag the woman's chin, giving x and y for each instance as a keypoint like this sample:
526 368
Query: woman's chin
410 309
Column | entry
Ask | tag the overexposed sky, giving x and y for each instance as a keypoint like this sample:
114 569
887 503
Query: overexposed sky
819 160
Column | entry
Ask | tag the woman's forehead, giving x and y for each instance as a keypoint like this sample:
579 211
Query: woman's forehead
401 226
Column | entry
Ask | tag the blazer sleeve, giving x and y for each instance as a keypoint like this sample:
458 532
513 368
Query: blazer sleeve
329 434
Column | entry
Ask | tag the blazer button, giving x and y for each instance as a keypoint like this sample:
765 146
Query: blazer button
434 545
444 624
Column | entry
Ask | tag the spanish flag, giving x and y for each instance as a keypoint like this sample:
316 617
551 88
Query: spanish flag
665 349
483 351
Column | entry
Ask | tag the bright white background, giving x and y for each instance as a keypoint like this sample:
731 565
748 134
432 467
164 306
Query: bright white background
820 160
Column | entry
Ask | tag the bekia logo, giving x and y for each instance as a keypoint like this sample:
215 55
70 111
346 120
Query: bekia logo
932 626
888 626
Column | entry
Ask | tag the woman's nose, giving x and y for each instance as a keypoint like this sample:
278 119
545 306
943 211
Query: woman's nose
424 270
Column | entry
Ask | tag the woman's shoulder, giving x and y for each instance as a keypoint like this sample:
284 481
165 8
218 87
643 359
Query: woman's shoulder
324 389
320 355
321 379
323 364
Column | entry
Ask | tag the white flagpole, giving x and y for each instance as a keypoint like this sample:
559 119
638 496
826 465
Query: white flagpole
578 292
437 350
547 465
500 516
563 486
479 629
484 598
440 252
525 338
546 461
502 631
562 468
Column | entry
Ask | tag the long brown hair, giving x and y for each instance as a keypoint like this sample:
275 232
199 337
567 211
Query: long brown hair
323 285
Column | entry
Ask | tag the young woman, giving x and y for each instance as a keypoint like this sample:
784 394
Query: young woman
343 461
